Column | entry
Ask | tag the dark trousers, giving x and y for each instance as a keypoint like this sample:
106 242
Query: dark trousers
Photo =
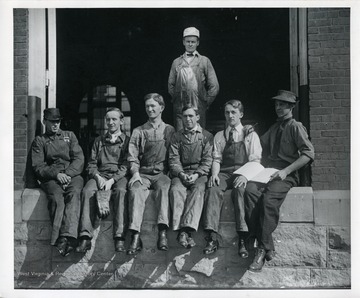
262 204
64 207
214 198
187 208
139 193
89 212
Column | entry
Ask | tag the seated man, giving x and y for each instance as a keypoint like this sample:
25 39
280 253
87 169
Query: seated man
57 161
232 149
287 148
148 157
107 170
190 161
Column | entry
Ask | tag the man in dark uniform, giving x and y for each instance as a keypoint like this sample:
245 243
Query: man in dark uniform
287 148
232 149
148 157
107 170
58 160
190 160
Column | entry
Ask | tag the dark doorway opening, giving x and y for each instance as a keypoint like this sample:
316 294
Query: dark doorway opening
132 49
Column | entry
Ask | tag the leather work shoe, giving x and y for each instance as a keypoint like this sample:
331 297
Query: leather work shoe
61 246
270 254
162 243
119 245
211 246
242 249
259 261
190 241
84 245
182 239
136 244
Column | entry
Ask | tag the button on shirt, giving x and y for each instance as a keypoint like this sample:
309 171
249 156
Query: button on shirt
252 143
138 140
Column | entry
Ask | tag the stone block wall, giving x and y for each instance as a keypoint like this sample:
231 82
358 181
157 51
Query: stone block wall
329 84
310 255
21 49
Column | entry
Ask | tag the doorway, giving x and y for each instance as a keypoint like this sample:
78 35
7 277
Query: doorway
133 48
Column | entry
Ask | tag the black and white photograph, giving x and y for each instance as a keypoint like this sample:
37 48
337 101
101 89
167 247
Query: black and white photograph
193 149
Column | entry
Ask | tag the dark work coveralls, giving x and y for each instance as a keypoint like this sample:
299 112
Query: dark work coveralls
148 155
283 143
234 156
109 160
51 155
190 152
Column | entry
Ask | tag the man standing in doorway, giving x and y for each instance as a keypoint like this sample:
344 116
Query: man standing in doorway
148 157
190 160
58 160
192 79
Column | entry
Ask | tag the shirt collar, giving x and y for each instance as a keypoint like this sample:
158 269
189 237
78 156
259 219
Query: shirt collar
197 128
285 119
58 133
238 128
161 123
196 53
120 135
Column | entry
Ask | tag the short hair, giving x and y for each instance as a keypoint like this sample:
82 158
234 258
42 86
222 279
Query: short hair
155 96
113 109
189 106
236 104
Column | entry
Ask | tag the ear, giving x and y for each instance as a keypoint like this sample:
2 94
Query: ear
197 117
241 115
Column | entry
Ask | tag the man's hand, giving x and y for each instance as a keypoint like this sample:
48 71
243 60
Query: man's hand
240 181
183 177
63 178
192 178
108 184
282 174
100 181
103 199
214 181
134 178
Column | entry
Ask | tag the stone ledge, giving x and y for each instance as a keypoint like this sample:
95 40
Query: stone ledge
298 206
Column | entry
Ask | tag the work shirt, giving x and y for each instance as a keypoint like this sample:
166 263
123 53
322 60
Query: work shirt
57 153
293 143
191 150
109 158
192 80
251 142
148 148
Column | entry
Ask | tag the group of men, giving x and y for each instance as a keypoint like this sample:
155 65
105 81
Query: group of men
187 169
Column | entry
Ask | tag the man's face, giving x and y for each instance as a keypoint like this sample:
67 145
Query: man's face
282 108
190 43
153 108
113 121
52 126
232 115
190 119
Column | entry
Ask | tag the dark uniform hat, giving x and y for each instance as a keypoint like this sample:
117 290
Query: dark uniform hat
52 114
287 96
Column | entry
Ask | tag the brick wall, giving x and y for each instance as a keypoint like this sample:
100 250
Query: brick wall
329 82
21 42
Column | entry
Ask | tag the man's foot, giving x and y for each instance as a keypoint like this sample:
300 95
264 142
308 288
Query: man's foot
65 246
259 260
190 241
162 243
270 254
136 244
84 245
211 246
119 245
182 239
242 249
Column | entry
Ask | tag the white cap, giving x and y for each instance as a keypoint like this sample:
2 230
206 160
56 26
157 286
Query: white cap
191 31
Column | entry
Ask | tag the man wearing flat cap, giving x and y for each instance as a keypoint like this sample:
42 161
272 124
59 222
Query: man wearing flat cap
192 79
58 160
286 147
